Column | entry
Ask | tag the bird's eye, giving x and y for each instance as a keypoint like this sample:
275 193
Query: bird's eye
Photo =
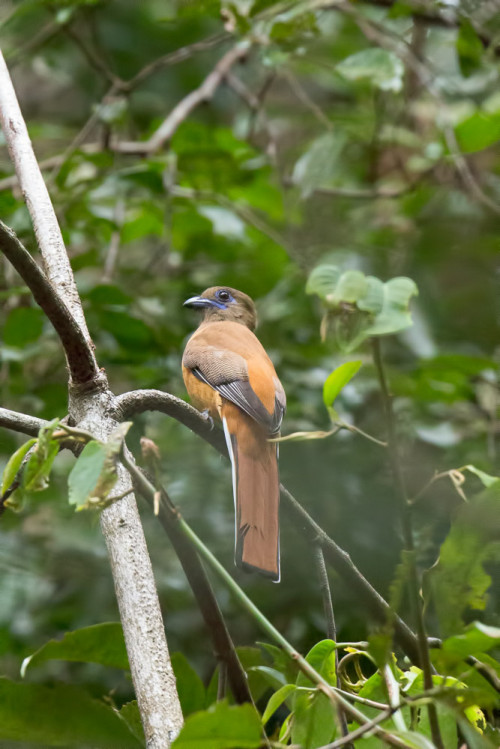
223 295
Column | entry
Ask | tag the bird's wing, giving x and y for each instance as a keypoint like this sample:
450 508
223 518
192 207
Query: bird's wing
230 359
241 393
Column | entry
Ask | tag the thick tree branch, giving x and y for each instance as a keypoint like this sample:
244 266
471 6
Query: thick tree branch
19 422
205 598
90 409
80 357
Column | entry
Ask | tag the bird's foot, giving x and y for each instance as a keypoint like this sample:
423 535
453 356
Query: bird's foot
208 418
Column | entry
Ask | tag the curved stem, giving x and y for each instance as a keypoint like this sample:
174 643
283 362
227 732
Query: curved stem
406 523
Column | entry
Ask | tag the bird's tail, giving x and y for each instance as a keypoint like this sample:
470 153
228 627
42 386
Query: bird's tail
256 493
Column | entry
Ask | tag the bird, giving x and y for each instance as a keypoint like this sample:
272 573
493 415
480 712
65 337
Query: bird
229 376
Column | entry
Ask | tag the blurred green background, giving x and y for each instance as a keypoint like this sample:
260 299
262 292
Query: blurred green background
308 153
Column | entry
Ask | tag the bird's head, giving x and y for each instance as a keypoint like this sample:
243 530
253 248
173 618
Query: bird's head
223 303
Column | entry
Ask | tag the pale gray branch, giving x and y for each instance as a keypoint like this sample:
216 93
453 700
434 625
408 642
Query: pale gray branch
183 109
91 410
19 422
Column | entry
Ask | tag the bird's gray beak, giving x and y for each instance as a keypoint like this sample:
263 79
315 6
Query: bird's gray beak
198 301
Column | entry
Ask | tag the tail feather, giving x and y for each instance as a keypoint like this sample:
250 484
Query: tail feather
256 493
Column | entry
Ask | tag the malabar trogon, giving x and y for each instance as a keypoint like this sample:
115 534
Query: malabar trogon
228 373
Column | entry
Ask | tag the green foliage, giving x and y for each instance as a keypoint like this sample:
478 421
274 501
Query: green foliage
459 580
221 727
479 131
192 693
61 715
100 643
338 379
469 48
14 464
360 306
36 473
23 325
379 67
94 474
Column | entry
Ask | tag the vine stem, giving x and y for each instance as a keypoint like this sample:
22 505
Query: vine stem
407 529
331 627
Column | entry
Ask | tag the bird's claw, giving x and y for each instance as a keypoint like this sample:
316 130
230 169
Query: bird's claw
208 418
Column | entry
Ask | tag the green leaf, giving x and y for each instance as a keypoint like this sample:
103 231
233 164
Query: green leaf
145 222
360 306
22 326
94 473
480 130
108 294
338 379
130 332
277 699
99 643
14 464
132 717
485 478
322 658
394 315
478 638
36 474
36 478
319 165
85 473
273 677
379 67
314 720
469 48
189 685
61 715
323 280
221 727
414 740
458 580
447 716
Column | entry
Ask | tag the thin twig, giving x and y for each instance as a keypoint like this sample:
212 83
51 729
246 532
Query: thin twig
303 96
183 109
92 58
324 585
172 58
202 590
363 730
406 523
331 629
246 214
114 244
